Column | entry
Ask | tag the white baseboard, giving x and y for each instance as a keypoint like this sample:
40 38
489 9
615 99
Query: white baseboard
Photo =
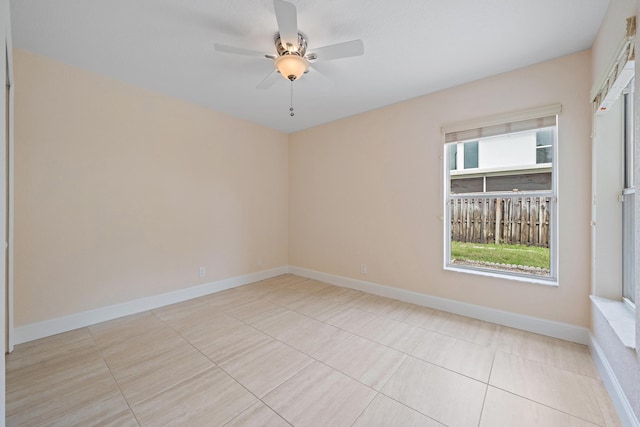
58 325
620 401
550 328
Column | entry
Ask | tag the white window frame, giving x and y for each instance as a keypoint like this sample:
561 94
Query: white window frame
461 128
628 196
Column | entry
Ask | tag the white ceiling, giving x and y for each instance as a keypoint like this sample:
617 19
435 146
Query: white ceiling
412 47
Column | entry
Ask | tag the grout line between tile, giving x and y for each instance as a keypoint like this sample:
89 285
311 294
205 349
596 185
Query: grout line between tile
484 399
412 408
546 406
365 408
113 376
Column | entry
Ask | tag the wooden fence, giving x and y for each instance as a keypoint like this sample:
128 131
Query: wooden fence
511 220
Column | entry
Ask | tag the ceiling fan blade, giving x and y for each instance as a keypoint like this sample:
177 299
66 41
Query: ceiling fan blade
320 74
269 80
239 51
287 17
337 51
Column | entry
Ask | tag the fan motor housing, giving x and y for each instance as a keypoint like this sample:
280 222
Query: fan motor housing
300 49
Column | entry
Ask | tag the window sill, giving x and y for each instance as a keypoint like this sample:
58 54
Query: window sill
620 317
499 275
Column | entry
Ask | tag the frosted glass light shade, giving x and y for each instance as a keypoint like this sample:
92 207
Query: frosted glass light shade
291 66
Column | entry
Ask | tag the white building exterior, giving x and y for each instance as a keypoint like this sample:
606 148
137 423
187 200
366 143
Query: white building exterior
521 160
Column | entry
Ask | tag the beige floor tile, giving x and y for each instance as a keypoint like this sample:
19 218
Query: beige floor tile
45 349
285 279
267 333
48 390
320 396
463 357
385 412
364 360
392 333
467 329
338 294
559 353
147 364
545 384
203 318
280 322
254 311
285 296
111 410
200 317
279 281
309 285
376 304
266 366
401 310
130 351
227 299
347 317
114 331
609 413
312 305
258 415
279 278
179 310
254 292
445 396
309 336
60 369
503 409
208 399
416 315
221 343
262 288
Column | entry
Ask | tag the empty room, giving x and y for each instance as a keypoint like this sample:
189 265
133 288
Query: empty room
305 213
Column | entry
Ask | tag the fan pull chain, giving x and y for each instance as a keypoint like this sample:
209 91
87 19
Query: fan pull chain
291 103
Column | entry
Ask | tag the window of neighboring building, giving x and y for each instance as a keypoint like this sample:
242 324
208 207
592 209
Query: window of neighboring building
453 157
544 146
628 201
500 208
470 154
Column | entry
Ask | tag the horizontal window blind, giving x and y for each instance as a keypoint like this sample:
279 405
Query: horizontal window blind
517 121
500 129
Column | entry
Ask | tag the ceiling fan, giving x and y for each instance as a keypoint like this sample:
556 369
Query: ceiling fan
291 59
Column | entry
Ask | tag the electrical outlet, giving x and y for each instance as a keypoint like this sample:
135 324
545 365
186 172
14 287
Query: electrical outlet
260 260
203 271
363 268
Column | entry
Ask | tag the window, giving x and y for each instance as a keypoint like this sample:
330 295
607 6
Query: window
544 146
628 201
453 157
500 209
470 154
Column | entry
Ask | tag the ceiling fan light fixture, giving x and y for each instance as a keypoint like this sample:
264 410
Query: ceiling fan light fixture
291 66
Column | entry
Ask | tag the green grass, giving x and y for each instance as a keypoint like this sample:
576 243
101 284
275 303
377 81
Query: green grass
531 256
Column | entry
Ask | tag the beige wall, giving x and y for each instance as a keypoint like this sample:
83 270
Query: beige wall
367 189
121 193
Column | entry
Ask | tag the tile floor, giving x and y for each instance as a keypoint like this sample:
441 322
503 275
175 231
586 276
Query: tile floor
293 351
